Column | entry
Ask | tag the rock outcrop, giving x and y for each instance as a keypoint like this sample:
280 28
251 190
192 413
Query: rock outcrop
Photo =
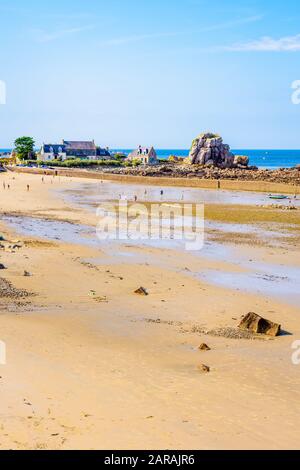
209 149
184 170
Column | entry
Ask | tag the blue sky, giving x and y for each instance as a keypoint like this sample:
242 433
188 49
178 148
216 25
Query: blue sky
129 72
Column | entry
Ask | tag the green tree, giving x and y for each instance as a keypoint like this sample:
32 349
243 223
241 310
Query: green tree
24 147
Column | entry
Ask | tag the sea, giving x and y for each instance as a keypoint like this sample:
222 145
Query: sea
261 158
271 159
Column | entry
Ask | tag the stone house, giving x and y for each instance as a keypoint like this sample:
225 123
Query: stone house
147 156
86 150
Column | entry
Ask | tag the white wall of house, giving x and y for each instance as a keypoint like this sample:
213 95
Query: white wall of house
47 157
92 157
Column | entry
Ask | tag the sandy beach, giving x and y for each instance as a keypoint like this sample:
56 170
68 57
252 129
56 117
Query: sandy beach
92 365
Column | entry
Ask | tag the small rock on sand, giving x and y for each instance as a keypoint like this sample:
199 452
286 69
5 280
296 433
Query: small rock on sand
101 299
141 291
203 368
204 347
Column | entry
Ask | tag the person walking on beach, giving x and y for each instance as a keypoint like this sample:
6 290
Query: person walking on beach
28 187
3 184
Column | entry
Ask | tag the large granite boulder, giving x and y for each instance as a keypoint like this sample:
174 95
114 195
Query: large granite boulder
209 149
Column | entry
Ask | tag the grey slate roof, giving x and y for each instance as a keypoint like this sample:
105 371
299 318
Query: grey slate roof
48 148
136 153
79 145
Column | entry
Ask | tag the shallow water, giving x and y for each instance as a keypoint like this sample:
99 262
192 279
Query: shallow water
271 280
92 195
264 279
53 230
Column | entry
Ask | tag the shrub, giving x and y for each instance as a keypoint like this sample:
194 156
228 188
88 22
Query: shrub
136 162
120 156
77 163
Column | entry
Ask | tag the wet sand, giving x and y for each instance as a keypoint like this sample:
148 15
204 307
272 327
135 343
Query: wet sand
193 182
91 365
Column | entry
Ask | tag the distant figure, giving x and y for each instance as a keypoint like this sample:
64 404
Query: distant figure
219 184
3 184
42 180
8 186
28 187
161 193
140 150
135 198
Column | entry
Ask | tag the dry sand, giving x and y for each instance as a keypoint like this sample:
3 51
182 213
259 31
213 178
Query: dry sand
120 371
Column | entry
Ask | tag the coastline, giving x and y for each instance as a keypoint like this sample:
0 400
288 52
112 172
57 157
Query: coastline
191 182
82 369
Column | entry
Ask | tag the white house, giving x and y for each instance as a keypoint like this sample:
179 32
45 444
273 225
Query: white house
86 150
52 152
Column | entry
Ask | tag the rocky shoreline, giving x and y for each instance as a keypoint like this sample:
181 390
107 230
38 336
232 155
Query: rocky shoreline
211 159
173 170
